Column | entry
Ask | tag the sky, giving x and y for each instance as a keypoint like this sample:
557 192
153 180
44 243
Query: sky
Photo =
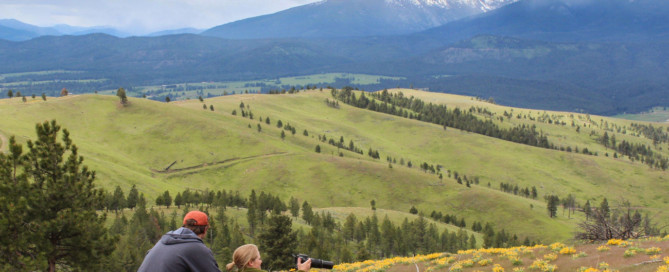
140 16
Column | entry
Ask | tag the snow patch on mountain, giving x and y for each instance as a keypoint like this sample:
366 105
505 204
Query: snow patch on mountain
483 5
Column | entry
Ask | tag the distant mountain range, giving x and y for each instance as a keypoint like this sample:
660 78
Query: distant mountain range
566 20
603 57
354 18
324 19
14 30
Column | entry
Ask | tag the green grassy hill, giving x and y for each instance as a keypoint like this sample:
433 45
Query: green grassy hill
217 150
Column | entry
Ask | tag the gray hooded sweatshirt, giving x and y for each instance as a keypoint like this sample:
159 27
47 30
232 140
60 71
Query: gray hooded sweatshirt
177 251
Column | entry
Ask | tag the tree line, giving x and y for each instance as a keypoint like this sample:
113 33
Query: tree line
413 108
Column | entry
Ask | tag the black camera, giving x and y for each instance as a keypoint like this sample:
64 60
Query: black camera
315 263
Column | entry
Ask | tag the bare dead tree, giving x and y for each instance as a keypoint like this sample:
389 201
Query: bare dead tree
599 226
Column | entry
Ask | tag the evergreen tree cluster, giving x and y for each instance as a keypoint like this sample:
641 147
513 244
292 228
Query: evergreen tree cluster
643 153
332 103
514 189
450 219
656 134
292 89
369 238
491 238
48 199
340 145
412 108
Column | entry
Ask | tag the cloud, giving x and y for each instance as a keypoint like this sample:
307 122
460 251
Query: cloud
141 16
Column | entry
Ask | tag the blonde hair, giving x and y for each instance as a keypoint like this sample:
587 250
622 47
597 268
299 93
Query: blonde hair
242 256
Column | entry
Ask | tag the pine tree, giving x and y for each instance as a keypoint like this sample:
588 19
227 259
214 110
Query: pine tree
251 214
587 209
167 199
294 207
178 200
278 242
118 199
307 213
121 95
10 93
552 204
604 208
133 195
61 213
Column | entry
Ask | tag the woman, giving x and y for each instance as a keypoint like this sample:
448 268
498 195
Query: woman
247 259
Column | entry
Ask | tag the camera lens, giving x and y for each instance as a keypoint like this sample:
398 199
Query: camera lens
318 263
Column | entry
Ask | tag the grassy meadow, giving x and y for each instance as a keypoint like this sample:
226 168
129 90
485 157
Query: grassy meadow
657 114
217 150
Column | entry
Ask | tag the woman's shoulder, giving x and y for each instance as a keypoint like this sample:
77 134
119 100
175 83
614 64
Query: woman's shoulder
249 269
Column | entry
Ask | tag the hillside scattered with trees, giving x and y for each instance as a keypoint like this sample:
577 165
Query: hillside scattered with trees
348 182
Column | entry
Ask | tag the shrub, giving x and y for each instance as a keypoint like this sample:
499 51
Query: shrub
653 250
629 253
485 262
580 255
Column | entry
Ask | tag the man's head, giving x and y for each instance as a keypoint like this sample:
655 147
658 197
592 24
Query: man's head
196 221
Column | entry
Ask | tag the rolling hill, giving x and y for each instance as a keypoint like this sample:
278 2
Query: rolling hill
599 57
217 150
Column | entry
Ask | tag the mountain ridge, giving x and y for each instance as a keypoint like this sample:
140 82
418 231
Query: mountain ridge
350 18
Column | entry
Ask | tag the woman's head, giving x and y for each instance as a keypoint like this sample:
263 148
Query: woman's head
245 256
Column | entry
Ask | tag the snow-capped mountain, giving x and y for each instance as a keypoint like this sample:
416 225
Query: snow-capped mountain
350 18
483 5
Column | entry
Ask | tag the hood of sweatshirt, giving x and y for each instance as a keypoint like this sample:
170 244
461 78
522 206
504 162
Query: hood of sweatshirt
180 236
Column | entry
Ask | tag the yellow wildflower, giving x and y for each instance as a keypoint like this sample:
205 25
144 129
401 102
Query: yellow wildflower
614 242
653 250
567 250
550 257
603 248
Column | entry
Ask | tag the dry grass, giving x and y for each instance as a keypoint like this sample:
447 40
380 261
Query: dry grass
555 257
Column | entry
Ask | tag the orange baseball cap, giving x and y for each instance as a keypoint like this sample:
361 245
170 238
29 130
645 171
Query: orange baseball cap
201 219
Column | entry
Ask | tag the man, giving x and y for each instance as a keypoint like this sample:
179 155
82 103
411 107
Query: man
182 249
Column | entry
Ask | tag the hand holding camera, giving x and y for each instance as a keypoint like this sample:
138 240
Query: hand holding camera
303 259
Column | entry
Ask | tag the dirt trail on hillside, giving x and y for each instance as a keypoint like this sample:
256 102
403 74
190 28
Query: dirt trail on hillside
176 170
